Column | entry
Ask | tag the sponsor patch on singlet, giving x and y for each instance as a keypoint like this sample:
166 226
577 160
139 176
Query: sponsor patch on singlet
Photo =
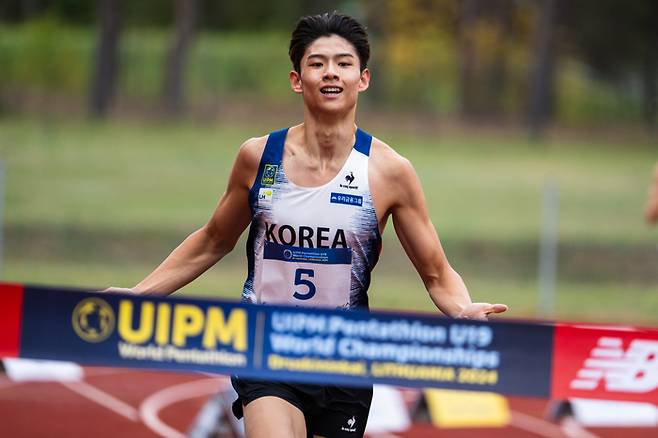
344 198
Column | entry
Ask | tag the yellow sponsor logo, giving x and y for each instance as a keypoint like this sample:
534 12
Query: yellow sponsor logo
93 320
162 324
269 174
176 324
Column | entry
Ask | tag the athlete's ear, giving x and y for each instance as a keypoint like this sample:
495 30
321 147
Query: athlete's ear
295 81
365 80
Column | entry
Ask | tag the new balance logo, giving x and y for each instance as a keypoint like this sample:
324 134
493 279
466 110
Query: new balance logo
633 370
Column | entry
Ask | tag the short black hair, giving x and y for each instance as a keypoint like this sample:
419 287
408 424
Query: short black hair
312 27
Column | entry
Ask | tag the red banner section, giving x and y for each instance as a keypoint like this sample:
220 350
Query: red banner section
605 362
11 308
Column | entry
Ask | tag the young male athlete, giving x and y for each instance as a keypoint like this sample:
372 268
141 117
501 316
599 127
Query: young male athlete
317 197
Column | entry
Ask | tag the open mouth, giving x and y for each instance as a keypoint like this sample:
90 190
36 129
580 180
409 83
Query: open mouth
331 90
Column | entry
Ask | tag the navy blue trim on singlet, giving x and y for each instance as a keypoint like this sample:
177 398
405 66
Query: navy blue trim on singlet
272 154
363 142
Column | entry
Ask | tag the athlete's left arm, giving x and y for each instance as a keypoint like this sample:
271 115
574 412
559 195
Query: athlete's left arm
421 243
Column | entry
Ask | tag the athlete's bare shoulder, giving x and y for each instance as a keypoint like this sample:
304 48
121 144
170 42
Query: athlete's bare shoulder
387 162
251 150
392 177
246 163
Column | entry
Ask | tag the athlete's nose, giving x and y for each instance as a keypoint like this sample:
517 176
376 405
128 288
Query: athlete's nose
330 73
329 76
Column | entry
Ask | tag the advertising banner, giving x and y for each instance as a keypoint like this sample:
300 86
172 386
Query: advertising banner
327 346
608 363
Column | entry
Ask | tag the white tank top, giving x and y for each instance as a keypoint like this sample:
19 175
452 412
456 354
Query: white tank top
311 246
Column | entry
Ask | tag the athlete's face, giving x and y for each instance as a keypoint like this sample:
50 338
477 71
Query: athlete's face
331 76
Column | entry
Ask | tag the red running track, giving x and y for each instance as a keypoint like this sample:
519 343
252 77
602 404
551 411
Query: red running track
112 402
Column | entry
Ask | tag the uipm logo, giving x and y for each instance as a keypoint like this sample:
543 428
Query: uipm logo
634 370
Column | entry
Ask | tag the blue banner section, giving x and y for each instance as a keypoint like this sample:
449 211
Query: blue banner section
327 256
286 343
344 198
424 351
136 331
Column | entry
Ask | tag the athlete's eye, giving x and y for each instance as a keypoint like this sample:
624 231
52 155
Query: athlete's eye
344 64
315 64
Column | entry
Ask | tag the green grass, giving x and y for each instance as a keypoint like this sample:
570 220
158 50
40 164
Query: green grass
97 204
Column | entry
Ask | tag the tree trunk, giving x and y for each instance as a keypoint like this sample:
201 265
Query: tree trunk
543 70
467 80
186 14
497 74
29 8
650 74
103 81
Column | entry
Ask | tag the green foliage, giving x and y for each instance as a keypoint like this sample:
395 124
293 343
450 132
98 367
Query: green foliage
583 97
419 58
248 64
45 56
415 65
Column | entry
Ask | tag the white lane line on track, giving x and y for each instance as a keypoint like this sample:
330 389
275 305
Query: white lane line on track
382 435
535 425
157 401
104 399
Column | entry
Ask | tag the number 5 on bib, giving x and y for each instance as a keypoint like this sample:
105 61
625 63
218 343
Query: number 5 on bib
305 282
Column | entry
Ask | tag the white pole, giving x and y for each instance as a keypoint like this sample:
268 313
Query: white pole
548 250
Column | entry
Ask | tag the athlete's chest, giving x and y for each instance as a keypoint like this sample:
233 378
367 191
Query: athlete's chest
336 204
317 216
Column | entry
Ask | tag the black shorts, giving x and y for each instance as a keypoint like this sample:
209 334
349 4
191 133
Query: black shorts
330 411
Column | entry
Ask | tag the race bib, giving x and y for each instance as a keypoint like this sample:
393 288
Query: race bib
318 277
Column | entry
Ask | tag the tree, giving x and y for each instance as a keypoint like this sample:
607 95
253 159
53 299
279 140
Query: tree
186 14
469 10
619 42
485 34
650 69
104 79
542 70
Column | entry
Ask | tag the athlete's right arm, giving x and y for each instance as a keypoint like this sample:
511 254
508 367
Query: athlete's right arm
207 245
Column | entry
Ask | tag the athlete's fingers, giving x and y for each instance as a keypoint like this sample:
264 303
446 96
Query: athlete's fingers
497 308
118 290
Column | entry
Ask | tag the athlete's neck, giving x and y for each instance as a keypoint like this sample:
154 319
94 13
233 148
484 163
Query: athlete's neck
327 138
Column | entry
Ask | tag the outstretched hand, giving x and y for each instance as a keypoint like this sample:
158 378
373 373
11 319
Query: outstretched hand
480 311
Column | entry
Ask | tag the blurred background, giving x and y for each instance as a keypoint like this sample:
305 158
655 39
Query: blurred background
532 124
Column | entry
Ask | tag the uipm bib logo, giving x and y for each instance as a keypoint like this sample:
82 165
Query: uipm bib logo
93 320
634 370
